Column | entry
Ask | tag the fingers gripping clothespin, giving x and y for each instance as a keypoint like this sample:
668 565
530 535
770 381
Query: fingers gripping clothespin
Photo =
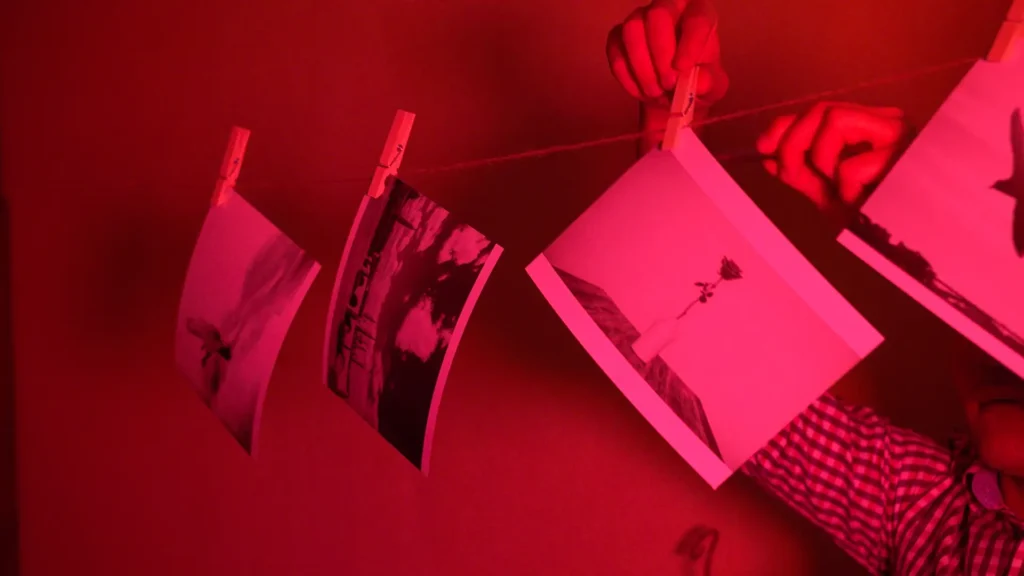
684 100
391 156
681 112
231 165
1010 34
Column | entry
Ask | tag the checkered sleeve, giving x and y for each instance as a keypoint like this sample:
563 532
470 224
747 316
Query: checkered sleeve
835 465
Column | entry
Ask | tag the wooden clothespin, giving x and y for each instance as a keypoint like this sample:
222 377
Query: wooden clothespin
681 112
1010 34
391 156
231 165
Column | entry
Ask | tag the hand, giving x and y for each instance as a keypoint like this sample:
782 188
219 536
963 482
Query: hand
662 41
810 152
659 43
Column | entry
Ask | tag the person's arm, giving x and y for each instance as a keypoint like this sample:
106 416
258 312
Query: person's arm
850 472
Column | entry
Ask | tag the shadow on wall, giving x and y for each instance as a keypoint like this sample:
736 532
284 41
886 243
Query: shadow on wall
8 473
696 550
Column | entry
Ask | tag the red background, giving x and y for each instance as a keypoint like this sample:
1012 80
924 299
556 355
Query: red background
114 119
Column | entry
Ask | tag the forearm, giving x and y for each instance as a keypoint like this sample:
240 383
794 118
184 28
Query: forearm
833 464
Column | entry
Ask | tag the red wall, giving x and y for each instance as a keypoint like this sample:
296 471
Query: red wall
114 118
8 492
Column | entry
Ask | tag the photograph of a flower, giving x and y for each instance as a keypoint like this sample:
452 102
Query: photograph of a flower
665 331
946 225
698 309
243 288
409 278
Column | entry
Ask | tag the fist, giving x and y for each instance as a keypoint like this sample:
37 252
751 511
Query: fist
663 41
811 152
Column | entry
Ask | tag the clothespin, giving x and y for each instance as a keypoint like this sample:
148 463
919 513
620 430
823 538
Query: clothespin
231 165
1009 35
391 156
681 112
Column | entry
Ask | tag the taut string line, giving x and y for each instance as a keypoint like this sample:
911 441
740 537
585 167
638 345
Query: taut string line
547 151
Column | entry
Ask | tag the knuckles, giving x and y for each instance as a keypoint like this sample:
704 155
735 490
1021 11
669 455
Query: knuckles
656 12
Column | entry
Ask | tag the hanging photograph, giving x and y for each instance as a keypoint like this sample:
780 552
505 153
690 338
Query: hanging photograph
243 288
946 225
409 277
702 313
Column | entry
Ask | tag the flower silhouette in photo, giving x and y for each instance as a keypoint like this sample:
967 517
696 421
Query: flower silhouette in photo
664 332
216 354
727 272
730 270
272 279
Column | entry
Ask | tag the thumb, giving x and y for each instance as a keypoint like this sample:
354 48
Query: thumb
712 83
854 176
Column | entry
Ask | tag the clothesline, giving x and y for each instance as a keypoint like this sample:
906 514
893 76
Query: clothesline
632 136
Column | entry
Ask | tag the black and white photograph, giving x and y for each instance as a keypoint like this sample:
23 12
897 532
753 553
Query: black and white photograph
409 277
946 225
698 309
244 286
